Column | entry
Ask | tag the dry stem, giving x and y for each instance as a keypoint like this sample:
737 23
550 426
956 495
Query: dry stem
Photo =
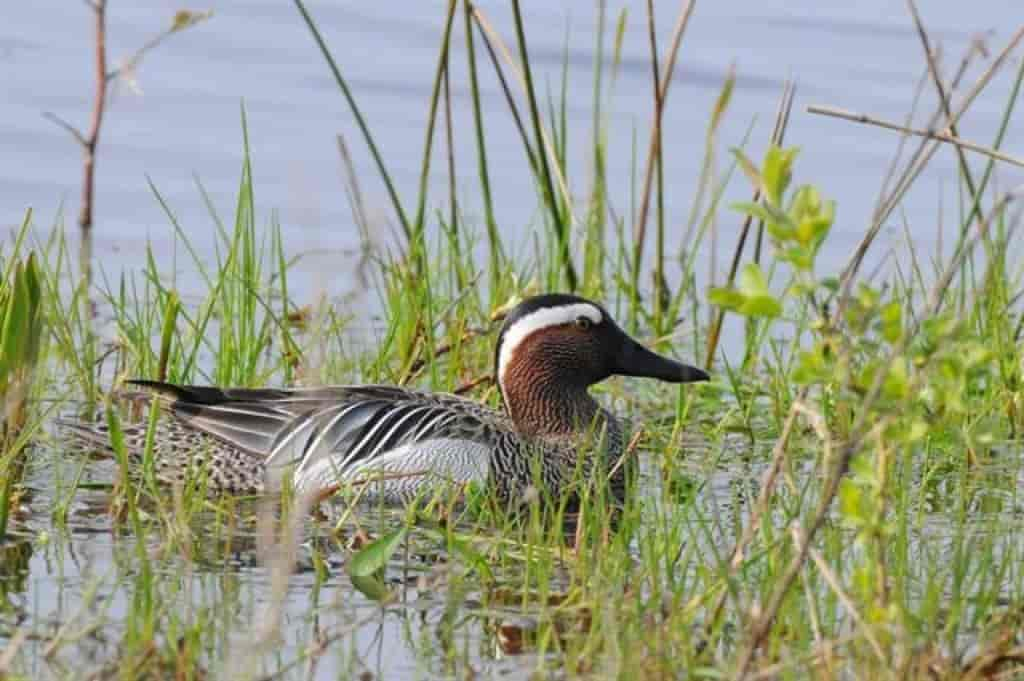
941 136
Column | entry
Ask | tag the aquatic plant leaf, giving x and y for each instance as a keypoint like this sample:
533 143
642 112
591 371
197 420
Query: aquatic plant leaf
373 587
753 281
762 305
729 298
758 210
777 172
20 321
375 555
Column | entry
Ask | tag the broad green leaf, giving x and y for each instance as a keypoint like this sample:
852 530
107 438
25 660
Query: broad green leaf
752 280
376 554
729 298
373 587
763 305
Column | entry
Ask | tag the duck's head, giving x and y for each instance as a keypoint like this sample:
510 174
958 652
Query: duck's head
556 345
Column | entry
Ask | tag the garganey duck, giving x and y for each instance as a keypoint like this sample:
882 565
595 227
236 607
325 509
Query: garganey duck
405 443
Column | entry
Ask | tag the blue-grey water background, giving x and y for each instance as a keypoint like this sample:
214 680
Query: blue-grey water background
180 120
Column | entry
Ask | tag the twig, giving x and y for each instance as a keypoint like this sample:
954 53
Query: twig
443 349
631 449
914 168
11 649
833 581
943 100
469 385
321 645
927 134
72 130
182 19
654 147
761 505
91 140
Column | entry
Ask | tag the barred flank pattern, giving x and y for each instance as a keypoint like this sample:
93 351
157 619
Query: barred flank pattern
243 441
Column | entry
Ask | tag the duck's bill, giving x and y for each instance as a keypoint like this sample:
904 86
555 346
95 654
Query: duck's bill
636 360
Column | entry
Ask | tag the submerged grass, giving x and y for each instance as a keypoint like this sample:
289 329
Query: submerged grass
842 500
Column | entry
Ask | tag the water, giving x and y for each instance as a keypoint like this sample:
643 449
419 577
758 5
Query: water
184 121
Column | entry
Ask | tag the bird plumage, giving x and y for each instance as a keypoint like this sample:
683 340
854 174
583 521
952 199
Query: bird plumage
400 444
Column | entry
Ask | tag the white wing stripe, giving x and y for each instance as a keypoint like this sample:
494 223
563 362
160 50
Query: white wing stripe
310 450
432 425
387 438
300 424
354 452
261 412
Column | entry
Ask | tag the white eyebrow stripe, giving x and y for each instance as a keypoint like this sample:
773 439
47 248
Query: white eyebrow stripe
541 319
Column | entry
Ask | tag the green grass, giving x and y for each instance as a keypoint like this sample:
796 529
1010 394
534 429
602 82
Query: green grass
843 498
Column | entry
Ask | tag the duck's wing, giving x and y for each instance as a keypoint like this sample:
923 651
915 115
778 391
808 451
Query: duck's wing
377 432
248 419
335 434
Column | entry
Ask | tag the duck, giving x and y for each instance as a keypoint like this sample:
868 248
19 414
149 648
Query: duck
398 444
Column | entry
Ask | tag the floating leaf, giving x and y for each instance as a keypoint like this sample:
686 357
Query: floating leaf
375 555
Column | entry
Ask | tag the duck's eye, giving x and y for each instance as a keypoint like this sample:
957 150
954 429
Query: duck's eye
583 323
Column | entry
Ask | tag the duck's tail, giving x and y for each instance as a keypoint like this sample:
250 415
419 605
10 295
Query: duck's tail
96 435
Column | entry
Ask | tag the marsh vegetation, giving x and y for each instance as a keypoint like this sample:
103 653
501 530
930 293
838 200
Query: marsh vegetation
841 501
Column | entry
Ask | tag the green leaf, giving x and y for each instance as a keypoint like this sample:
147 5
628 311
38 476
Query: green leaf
897 382
758 210
850 496
799 256
376 554
752 280
763 305
777 172
728 298
373 587
892 321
